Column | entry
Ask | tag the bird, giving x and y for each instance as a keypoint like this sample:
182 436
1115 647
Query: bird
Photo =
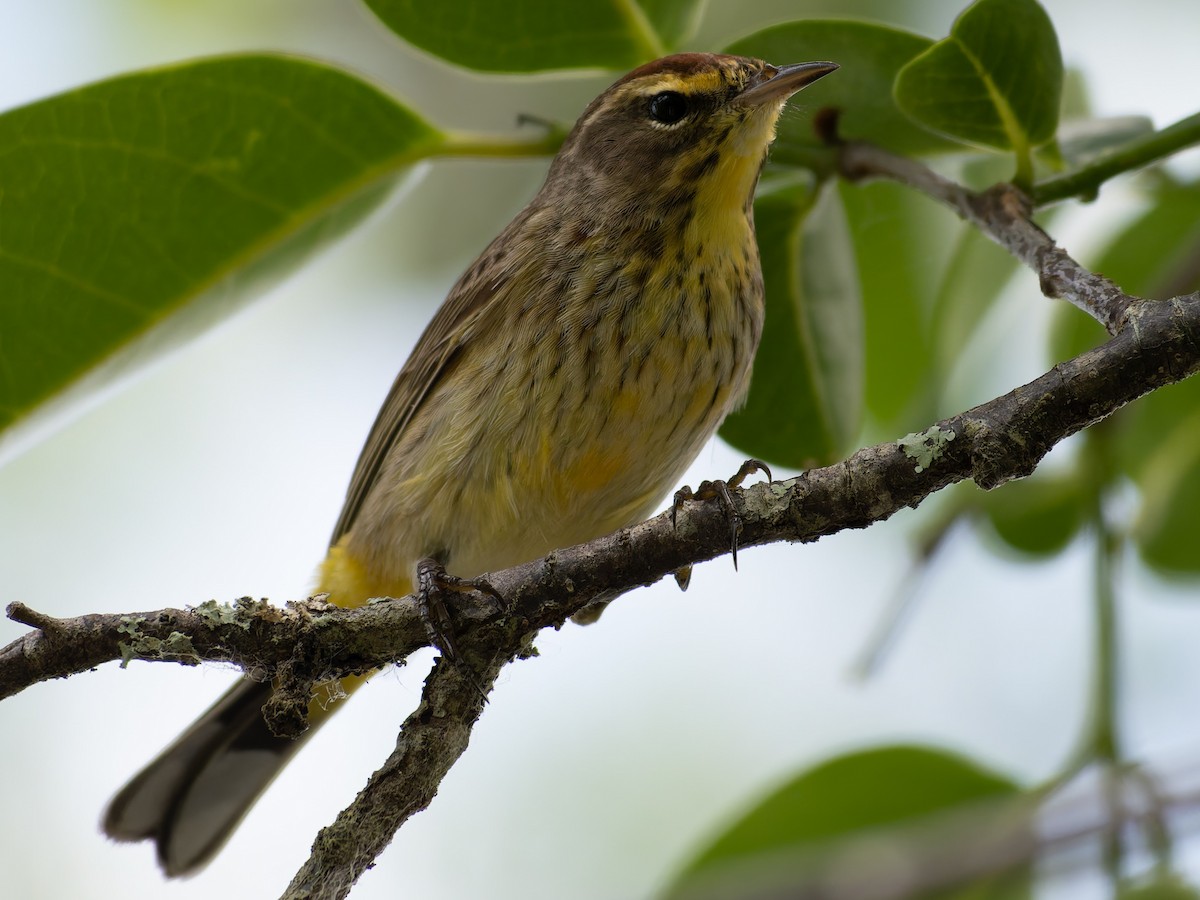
569 378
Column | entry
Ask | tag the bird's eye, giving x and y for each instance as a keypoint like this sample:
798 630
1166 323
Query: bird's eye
668 107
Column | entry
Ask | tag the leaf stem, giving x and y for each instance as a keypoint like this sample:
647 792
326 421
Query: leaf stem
465 143
1104 736
649 41
1139 152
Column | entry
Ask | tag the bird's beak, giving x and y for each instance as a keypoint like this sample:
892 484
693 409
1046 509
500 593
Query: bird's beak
780 83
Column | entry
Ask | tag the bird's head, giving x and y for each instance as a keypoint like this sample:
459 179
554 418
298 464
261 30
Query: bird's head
693 122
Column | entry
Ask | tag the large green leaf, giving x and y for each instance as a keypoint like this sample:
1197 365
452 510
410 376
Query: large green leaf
805 402
975 275
1083 140
973 279
996 80
541 35
1038 516
1167 530
795 830
137 211
901 239
870 56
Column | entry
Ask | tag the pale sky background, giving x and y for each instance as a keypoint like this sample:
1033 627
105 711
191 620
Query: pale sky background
598 765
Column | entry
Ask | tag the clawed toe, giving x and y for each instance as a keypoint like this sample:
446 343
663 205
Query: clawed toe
719 490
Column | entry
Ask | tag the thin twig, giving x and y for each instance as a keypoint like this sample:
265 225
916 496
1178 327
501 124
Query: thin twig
1003 213
19 612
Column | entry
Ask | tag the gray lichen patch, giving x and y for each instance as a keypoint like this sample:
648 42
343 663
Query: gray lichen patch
176 647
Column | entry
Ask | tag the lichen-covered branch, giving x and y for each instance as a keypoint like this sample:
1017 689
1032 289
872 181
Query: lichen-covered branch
431 740
1154 343
1002 439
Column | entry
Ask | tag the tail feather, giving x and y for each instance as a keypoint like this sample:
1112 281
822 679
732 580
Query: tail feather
191 798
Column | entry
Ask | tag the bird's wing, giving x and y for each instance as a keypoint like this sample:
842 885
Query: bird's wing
432 357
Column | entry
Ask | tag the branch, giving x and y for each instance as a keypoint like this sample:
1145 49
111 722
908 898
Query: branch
313 640
431 741
1003 214
1155 343
993 443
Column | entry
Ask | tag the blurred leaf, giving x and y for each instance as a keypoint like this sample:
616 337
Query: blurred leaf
1076 102
1072 331
1148 424
901 240
1166 529
805 403
674 20
541 35
870 55
1160 886
139 211
1038 515
1157 255
847 798
977 273
1084 139
996 80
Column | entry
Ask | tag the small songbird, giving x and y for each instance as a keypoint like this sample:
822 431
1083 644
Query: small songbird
571 376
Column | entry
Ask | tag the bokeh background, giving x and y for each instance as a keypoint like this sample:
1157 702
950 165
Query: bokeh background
601 763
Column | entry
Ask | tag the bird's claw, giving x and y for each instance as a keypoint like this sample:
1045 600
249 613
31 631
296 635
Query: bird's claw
719 490
432 582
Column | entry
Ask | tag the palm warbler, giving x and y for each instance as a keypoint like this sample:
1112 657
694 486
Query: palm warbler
572 374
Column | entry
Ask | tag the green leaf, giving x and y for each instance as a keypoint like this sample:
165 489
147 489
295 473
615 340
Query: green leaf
901 239
976 275
136 212
805 402
541 35
1072 331
1081 141
1155 256
1159 886
870 56
824 813
996 80
1040 515
674 20
1166 530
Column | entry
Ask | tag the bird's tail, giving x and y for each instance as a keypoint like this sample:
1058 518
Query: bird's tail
191 798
